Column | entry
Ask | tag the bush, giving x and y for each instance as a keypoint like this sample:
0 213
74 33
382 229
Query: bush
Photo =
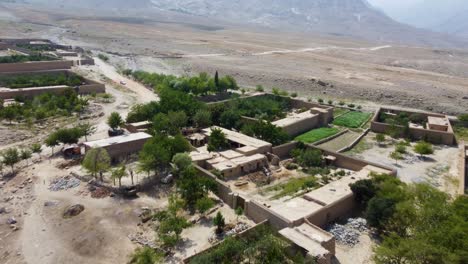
320 100
103 57
309 157
204 204
330 102
293 95
363 190
351 105
423 148
292 166
259 88
341 103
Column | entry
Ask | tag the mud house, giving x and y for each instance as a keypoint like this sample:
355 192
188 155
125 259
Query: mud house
120 147
245 156
8 91
298 123
431 127
301 219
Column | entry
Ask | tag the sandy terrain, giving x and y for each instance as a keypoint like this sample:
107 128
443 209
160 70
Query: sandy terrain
348 69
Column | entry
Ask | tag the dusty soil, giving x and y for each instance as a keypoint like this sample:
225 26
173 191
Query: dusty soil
439 169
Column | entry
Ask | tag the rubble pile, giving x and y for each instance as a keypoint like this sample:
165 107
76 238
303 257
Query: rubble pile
64 183
240 227
143 241
100 192
349 233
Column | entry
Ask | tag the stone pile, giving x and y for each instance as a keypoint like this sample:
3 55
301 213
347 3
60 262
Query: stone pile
240 227
64 183
349 233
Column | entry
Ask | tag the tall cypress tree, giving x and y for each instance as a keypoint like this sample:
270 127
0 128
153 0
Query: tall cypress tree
216 79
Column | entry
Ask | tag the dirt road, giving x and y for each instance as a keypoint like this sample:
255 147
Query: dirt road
144 94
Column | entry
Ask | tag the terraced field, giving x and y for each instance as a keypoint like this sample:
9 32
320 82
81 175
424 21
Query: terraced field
341 141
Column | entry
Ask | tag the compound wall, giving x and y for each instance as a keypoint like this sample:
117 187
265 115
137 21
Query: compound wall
35 66
433 136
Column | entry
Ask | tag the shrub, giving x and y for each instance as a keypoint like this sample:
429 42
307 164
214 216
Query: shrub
103 57
330 102
259 88
292 166
204 204
351 105
320 100
341 103
293 95
423 148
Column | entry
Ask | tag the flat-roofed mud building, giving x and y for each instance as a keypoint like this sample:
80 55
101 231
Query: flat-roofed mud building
245 156
120 147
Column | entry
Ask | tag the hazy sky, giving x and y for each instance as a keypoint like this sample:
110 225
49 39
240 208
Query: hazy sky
393 5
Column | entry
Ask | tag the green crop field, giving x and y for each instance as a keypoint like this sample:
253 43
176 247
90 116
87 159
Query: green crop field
352 119
317 134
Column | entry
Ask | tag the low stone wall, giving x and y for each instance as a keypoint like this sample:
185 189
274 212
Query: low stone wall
242 234
223 192
463 179
330 137
35 66
355 142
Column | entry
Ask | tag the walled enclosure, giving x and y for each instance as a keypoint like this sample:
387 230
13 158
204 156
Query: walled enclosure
319 218
317 115
88 88
432 136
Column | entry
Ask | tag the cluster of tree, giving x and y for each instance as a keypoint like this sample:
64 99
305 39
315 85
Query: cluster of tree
69 135
10 157
307 157
40 47
418 223
262 245
43 106
40 80
202 84
158 152
170 101
26 58
266 131
265 107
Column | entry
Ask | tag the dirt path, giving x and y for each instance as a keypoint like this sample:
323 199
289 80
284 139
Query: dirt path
144 94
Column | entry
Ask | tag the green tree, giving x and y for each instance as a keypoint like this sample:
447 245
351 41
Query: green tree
395 155
36 148
217 140
380 138
219 222
364 190
216 79
202 118
266 131
204 204
423 148
9 113
157 153
114 121
181 162
51 141
118 173
146 255
87 130
379 211
178 120
10 157
239 211
191 186
25 154
308 157
96 160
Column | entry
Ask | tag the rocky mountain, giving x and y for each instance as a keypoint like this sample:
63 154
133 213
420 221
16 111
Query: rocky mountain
354 18
449 16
